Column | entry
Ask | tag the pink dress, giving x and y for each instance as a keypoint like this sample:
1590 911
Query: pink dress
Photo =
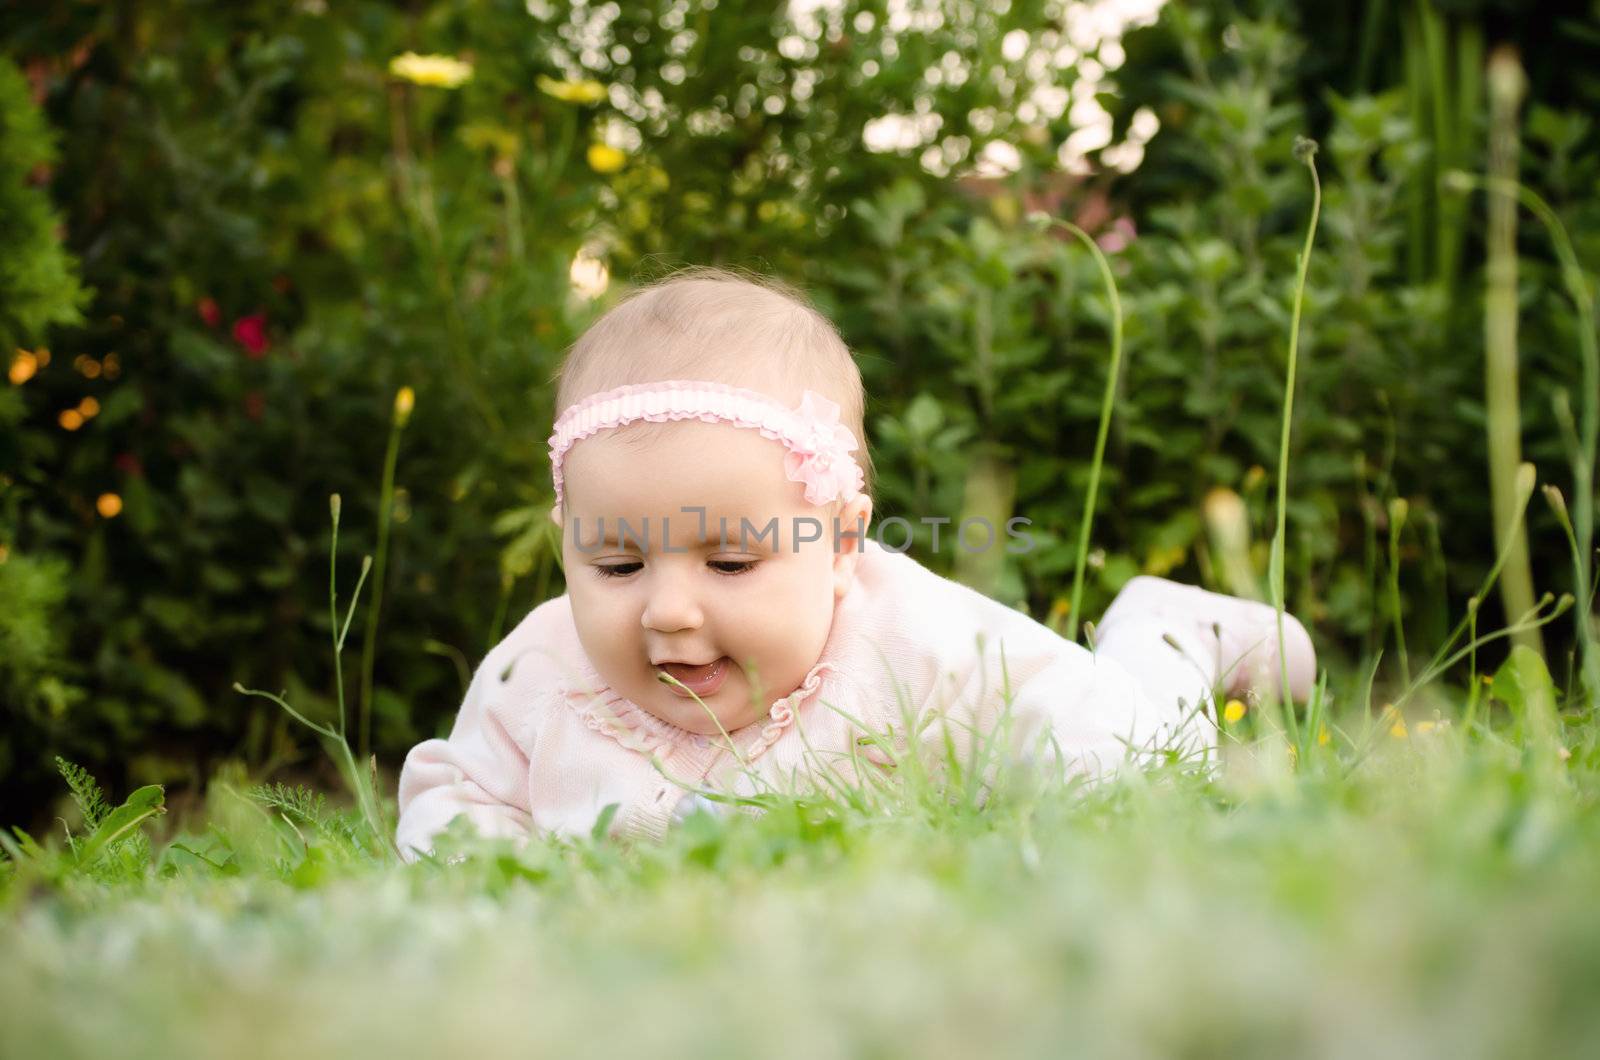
541 745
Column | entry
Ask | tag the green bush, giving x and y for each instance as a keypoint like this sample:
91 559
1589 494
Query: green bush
281 232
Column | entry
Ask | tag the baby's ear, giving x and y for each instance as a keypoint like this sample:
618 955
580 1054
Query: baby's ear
854 518
554 518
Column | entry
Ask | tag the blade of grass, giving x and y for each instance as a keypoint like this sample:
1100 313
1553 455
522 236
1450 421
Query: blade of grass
1306 152
1075 607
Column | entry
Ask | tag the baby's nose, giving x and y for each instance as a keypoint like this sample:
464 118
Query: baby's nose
671 607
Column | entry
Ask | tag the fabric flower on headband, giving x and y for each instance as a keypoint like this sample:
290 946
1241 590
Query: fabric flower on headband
819 455
818 445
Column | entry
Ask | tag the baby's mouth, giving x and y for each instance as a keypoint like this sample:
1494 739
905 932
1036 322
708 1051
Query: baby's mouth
701 680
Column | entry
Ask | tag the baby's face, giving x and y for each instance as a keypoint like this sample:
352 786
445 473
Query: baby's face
763 607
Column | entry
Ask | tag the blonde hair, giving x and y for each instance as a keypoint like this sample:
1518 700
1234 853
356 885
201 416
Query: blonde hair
724 325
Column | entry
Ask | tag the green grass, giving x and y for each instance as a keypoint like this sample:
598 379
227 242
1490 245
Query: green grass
1438 900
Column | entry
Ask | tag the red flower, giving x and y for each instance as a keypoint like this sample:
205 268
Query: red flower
251 333
209 311
255 405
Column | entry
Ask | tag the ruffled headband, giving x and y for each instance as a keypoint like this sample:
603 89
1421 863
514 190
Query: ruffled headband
819 445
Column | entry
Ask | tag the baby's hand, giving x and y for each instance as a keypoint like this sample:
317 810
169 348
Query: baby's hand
1244 632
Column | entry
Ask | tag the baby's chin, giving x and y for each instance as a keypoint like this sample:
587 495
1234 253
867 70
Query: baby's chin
686 714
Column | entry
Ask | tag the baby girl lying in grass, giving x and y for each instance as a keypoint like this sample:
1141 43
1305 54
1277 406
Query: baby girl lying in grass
731 626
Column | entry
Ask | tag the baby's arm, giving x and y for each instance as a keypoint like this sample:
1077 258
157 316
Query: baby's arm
480 771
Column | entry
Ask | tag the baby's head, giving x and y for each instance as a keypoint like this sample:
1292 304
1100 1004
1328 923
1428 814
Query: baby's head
759 601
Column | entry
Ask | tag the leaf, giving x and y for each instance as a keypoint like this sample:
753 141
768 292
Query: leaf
602 824
1524 685
1522 680
24 846
85 792
144 803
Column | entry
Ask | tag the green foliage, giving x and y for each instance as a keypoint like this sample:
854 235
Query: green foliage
110 847
38 281
308 815
35 672
279 234
85 792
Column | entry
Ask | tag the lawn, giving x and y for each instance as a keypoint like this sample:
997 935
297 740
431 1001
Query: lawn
1421 891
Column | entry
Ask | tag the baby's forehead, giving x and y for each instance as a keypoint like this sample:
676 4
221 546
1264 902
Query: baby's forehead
678 462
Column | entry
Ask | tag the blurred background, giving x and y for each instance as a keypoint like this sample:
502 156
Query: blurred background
257 253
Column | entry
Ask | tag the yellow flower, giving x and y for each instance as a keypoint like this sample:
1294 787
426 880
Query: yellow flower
603 158
88 408
1398 729
572 91
439 71
405 399
109 505
1323 737
23 367
71 419
1425 727
1233 711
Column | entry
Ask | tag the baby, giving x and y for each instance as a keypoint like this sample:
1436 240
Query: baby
731 625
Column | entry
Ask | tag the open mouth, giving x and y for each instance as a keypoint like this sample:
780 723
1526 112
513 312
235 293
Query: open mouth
701 680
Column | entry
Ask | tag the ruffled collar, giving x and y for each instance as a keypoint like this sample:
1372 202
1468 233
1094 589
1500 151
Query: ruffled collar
606 711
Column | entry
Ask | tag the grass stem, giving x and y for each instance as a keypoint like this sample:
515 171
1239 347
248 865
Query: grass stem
1306 151
369 640
1075 607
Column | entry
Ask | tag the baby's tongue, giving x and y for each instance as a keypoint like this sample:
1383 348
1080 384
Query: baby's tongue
689 674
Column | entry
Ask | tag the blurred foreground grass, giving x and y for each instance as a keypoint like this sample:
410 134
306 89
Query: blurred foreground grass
1436 898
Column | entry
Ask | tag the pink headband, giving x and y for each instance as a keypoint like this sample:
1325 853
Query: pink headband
819 445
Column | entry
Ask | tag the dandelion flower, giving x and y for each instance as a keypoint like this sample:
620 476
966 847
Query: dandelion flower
1233 711
572 91
603 158
437 71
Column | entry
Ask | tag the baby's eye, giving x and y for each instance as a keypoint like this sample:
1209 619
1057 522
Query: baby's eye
733 566
616 570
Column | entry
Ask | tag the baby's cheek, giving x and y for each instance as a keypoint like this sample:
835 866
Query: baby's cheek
599 622
805 614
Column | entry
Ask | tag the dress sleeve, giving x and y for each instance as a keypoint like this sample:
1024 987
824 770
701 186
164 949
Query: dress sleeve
480 771
1092 710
